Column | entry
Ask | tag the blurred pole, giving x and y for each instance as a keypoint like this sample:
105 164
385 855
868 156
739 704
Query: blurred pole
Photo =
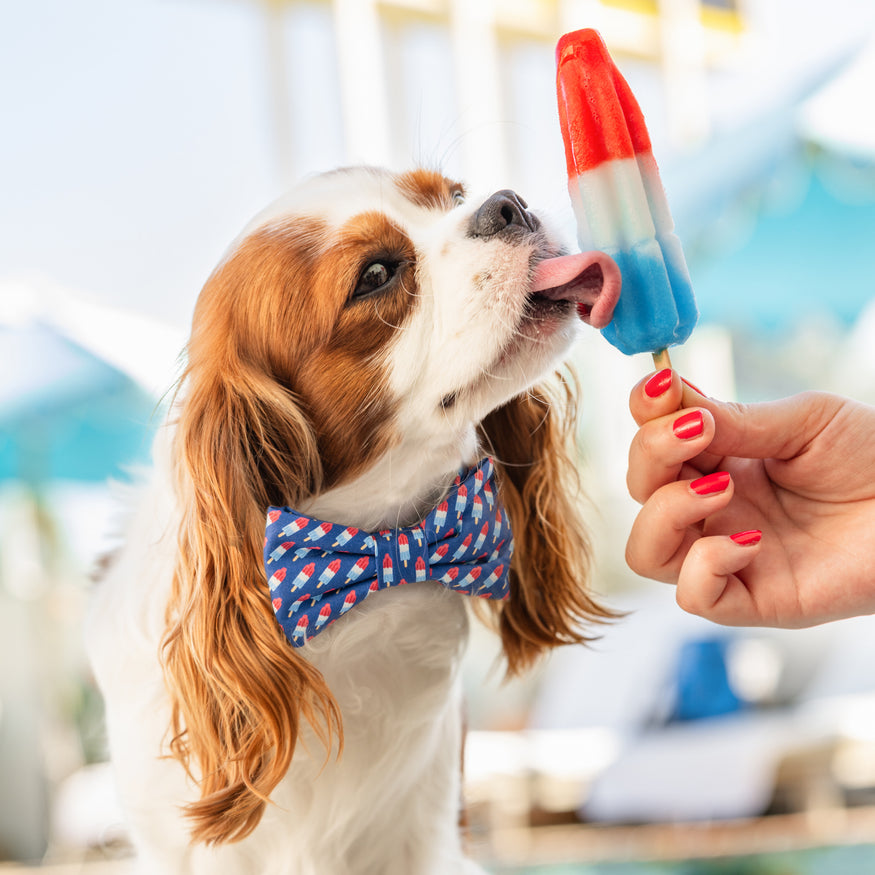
478 83
682 37
24 681
362 81
280 95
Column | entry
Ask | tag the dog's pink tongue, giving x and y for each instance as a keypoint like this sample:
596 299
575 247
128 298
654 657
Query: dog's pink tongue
589 279
554 272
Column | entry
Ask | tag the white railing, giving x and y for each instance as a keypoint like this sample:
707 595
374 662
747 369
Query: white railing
391 97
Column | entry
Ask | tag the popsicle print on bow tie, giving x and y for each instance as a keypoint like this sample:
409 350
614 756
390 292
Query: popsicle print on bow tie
317 571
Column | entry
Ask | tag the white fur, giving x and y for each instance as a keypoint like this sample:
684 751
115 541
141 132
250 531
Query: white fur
390 805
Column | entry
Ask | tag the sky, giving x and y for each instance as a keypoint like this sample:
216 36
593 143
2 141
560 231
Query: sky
136 145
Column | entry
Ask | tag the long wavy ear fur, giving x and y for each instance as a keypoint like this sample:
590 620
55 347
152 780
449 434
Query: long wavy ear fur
531 439
241 694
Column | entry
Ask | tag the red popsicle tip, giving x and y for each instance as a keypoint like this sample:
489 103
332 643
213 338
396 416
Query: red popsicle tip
598 114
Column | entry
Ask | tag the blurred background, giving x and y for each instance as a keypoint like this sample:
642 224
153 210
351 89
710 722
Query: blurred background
139 136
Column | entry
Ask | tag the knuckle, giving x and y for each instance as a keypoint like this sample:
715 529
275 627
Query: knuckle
661 505
633 490
646 442
687 601
635 483
633 559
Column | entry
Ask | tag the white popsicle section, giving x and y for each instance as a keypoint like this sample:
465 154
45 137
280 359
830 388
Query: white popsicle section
611 205
621 209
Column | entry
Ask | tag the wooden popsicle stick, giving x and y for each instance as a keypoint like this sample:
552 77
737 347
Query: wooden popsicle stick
661 359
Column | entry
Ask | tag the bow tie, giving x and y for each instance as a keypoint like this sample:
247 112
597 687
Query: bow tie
317 571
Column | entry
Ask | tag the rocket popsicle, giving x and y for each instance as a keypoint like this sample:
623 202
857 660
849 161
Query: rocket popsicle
618 199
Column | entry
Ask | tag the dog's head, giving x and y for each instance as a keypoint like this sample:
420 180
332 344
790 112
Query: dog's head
369 328
393 312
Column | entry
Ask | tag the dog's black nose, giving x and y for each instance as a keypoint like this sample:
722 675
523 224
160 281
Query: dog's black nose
505 209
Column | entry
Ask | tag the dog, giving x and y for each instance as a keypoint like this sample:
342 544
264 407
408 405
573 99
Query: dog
366 339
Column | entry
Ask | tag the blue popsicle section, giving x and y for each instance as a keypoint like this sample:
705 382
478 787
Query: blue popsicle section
657 308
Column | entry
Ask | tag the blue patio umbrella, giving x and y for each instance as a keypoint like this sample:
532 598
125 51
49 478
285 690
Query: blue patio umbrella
65 413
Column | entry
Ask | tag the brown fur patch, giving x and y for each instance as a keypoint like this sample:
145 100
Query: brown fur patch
343 383
427 188
281 305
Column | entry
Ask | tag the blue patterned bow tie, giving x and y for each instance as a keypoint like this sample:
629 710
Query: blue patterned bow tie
317 571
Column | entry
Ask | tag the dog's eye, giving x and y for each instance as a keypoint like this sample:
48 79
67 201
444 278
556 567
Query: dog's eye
458 197
374 277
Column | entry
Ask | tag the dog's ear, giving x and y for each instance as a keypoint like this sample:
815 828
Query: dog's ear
531 439
241 694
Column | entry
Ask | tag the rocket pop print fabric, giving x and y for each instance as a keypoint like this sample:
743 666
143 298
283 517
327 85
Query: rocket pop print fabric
317 571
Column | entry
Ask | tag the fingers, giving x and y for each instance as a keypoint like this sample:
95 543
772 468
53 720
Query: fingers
664 531
774 429
708 584
668 436
656 395
768 430
681 434
665 545
662 446
779 430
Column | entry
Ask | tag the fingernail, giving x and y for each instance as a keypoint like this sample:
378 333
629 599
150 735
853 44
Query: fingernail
658 384
690 425
747 539
694 387
711 484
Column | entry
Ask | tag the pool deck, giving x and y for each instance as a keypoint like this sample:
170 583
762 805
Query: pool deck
681 841
591 844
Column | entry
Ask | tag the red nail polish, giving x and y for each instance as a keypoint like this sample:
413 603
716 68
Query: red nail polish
694 387
658 384
711 484
747 539
688 426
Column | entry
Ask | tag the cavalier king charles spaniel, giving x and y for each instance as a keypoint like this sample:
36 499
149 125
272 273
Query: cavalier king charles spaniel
365 342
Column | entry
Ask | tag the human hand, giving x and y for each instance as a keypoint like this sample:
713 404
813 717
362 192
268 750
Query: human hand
801 471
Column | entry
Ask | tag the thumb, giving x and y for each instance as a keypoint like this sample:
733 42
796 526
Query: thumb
766 430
